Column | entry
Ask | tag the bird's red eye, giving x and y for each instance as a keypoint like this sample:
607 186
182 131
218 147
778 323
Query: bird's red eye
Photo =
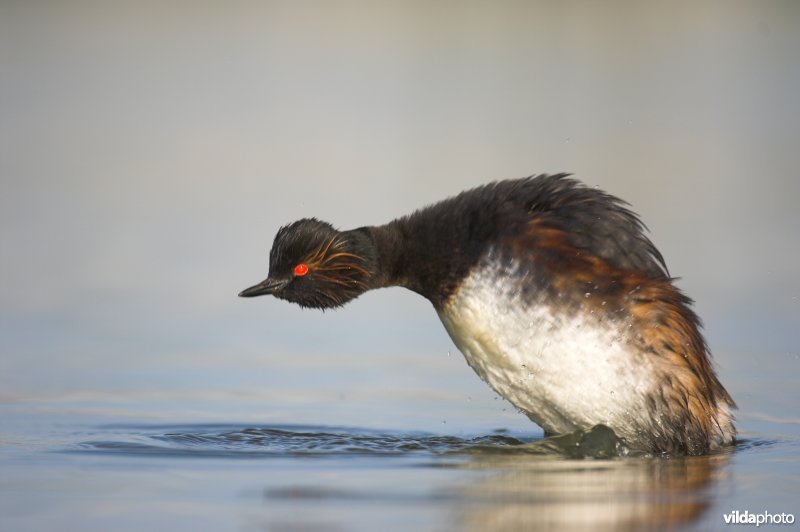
300 270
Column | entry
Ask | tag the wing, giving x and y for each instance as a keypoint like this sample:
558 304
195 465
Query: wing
591 221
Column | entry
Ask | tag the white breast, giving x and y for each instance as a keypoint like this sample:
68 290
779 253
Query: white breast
564 371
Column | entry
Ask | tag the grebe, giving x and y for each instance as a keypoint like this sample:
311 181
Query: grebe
552 292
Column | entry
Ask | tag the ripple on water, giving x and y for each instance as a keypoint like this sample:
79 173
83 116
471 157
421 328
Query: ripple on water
289 441
282 441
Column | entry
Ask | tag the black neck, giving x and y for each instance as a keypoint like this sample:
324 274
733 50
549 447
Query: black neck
429 252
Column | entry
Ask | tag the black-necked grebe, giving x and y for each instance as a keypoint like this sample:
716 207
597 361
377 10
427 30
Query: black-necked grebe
553 294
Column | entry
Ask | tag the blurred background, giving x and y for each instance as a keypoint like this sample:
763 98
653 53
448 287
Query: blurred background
149 151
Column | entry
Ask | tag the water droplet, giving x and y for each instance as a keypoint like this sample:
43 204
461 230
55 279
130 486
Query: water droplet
603 303
449 353
587 294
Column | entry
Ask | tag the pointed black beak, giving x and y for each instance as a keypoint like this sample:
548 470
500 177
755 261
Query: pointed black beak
265 287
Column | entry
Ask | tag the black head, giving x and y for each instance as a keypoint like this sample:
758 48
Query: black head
314 265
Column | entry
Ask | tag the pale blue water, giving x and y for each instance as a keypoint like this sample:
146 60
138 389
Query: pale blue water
63 467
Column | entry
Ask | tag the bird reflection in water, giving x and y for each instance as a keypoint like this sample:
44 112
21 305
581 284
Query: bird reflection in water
526 492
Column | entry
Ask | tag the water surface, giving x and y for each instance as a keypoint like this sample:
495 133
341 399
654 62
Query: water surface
80 473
